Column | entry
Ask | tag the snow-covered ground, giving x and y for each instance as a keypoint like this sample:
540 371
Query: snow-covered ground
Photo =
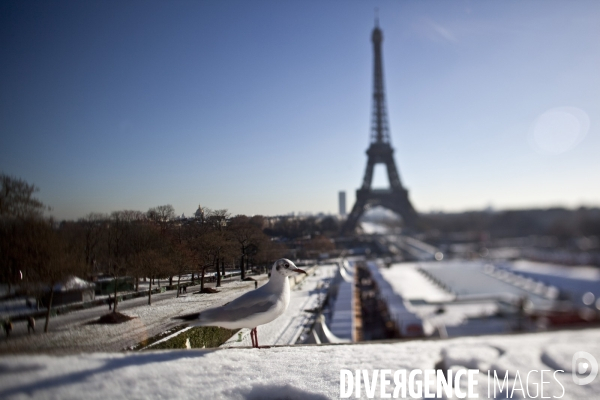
303 372
290 372
580 283
71 333
406 280
342 318
20 306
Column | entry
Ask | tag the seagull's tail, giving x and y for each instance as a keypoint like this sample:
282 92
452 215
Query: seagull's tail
189 317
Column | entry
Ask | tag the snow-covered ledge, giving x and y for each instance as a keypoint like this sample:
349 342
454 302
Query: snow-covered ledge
303 372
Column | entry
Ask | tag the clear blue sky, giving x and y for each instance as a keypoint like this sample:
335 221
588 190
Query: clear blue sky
263 107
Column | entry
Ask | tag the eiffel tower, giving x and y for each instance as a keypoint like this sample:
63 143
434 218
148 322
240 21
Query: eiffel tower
380 152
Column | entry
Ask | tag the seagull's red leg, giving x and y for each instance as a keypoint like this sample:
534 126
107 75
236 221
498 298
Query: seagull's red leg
253 337
256 337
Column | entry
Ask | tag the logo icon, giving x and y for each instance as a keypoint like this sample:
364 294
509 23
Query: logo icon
584 362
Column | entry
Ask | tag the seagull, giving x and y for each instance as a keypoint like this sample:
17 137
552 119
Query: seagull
253 308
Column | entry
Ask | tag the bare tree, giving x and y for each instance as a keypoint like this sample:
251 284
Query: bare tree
179 253
149 251
18 208
161 215
209 242
217 220
248 236
317 245
47 257
94 227
204 252
10 254
154 262
118 246
16 198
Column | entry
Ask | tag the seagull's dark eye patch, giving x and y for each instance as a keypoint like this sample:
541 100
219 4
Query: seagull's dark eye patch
287 265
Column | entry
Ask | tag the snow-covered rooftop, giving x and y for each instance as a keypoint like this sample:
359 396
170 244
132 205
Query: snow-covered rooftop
73 283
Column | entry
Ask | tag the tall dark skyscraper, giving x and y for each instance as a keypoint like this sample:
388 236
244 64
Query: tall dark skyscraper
342 203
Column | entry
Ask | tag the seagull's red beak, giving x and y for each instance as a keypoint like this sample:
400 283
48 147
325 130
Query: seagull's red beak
300 271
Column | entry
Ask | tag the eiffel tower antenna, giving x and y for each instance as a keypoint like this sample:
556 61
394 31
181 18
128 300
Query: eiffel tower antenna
380 151
376 17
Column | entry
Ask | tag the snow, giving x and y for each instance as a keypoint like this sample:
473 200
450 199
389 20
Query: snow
373 228
70 333
576 281
576 272
18 307
291 372
472 280
72 283
408 282
461 297
295 372
399 308
414 300
342 319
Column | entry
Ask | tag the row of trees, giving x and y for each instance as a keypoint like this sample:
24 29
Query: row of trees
562 223
310 226
36 253
155 244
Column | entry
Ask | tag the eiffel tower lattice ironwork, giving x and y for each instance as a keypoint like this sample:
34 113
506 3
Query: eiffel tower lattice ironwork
380 152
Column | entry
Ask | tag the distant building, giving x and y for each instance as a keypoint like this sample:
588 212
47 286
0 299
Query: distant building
72 290
342 201
199 214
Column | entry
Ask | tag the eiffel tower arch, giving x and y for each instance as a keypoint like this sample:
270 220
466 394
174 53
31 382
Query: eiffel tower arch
380 152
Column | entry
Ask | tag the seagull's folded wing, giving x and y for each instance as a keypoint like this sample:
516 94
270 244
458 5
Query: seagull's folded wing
243 307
